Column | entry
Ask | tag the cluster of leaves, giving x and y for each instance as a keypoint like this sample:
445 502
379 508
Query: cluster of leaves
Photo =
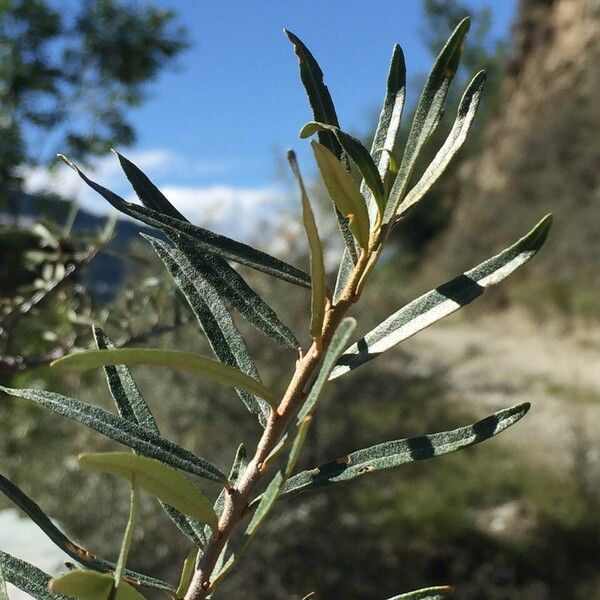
198 261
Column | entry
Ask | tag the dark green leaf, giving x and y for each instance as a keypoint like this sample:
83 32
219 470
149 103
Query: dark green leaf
357 152
386 134
323 111
432 593
239 295
214 319
133 407
125 392
456 138
174 359
123 431
319 98
393 454
223 277
82 556
27 578
317 263
428 113
442 301
206 241
162 481
146 191
344 193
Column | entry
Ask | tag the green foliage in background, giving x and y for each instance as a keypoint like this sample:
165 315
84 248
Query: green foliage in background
67 78
199 261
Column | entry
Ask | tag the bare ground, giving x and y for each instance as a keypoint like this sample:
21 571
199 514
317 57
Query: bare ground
506 358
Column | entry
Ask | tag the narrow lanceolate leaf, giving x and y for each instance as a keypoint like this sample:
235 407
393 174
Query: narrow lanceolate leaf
205 240
174 359
428 113
125 392
393 454
162 481
338 342
69 547
317 263
123 431
27 578
456 138
357 152
227 280
432 593
213 316
323 111
239 295
132 406
90 585
266 503
187 573
443 301
344 193
146 191
129 531
386 134
319 97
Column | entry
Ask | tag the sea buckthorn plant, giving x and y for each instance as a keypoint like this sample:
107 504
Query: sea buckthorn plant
221 531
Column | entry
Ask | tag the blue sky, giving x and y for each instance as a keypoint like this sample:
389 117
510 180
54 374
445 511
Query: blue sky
221 121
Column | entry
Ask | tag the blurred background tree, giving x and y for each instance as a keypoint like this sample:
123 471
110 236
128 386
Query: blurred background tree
69 73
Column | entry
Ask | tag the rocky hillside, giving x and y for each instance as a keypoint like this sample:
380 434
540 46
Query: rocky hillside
541 154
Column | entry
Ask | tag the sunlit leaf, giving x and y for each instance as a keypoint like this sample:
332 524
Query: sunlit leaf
90 585
456 138
174 359
386 134
357 152
442 301
213 316
323 111
129 531
432 593
317 263
122 431
428 113
132 406
344 192
162 481
399 452
187 572
338 342
205 240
